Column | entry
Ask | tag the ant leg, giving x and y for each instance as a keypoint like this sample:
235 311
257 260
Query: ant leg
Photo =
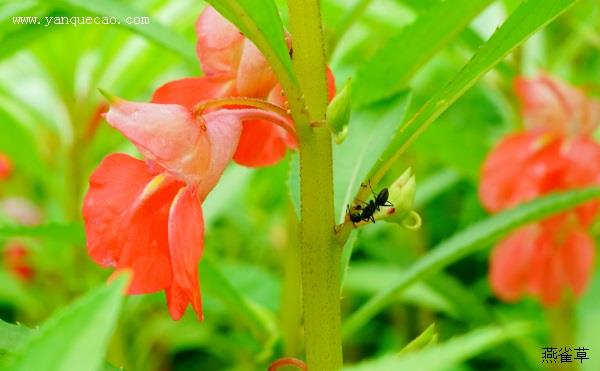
372 191
371 218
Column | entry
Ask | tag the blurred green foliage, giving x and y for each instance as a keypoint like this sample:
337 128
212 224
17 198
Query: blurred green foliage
50 130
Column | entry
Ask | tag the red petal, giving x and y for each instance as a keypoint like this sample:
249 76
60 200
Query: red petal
114 186
189 91
262 143
186 241
126 218
254 76
577 258
521 167
509 263
545 282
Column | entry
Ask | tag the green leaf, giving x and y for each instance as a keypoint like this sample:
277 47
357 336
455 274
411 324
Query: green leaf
528 18
153 31
450 353
366 279
75 338
12 336
259 21
370 130
466 242
423 341
217 284
392 67
69 233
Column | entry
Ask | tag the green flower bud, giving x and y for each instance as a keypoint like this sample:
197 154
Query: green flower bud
338 114
402 196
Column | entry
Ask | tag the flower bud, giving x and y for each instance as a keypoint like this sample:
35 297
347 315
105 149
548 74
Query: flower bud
402 196
338 114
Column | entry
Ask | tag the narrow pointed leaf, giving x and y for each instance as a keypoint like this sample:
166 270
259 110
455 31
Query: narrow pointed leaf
392 67
520 25
450 353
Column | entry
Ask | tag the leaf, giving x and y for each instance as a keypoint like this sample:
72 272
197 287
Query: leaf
423 341
466 242
12 336
153 31
259 21
450 353
215 282
75 338
368 279
528 18
370 130
70 233
392 67
12 37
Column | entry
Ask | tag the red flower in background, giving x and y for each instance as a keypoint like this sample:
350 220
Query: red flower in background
234 67
5 167
15 256
555 153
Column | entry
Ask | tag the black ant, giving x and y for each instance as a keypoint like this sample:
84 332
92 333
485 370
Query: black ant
359 213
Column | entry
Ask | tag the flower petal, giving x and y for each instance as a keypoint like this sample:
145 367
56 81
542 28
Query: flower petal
502 182
223 129
145 243
186 241
114 186
551 105
262 143
254 78
189 91
125 214
509 263
219 45
166 134
577 259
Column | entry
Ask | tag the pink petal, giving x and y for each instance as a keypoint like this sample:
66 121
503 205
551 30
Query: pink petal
186 241
223 132
254 76
219 46
551 105
164 133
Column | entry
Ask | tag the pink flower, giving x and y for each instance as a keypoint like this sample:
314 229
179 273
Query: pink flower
557 153
234 67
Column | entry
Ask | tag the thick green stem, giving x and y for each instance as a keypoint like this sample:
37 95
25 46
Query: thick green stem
320 256
561 322
291 298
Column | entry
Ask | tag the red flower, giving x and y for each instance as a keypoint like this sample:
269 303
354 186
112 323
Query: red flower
147 216
5 167
555 154
16 261
234 67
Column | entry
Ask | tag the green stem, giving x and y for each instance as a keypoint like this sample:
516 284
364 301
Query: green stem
291 297
561 322
320 257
